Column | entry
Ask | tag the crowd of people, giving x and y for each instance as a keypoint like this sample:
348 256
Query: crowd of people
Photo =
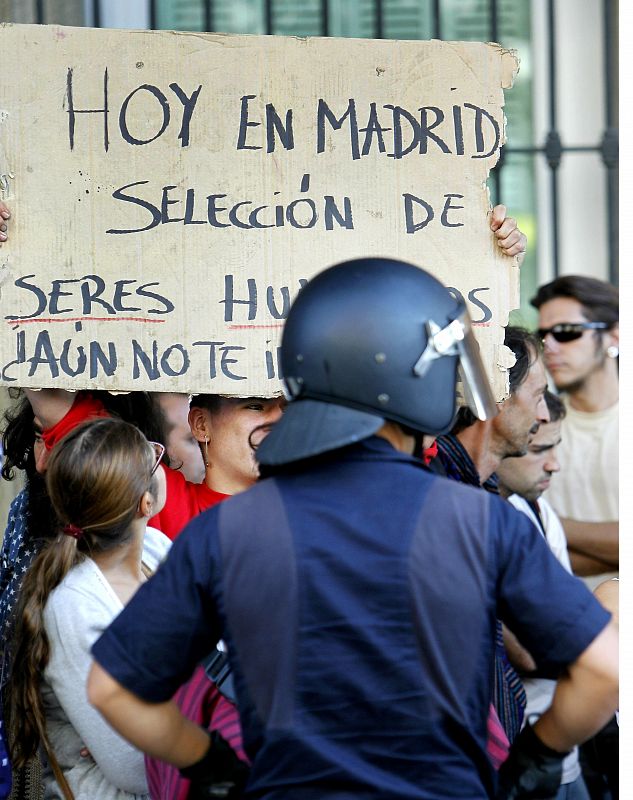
380 587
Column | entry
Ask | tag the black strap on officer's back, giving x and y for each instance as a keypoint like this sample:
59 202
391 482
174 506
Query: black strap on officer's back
218 671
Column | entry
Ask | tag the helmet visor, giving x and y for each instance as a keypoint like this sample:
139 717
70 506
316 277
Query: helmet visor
458 339
477 391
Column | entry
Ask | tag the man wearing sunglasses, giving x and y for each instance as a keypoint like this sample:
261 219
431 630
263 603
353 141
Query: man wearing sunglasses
578 325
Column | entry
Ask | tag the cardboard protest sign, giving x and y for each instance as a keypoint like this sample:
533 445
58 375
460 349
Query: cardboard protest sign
172 192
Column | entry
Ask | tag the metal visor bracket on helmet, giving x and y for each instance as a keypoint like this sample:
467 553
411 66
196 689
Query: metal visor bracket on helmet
458 339
292 387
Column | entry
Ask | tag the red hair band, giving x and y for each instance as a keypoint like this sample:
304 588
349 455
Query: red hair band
73 530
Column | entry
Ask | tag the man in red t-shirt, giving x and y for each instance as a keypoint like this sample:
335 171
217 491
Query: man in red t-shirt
228 429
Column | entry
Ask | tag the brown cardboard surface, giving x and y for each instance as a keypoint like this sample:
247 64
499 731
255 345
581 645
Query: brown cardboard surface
157 246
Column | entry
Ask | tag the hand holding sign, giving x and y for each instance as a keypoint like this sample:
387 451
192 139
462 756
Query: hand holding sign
5 215
509 238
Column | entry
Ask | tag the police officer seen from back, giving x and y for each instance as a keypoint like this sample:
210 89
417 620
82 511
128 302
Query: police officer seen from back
357 592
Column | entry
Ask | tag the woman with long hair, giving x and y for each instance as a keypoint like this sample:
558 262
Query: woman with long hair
31 521
42 421
104 484
31 518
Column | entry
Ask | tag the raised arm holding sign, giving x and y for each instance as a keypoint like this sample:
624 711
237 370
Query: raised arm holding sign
6 215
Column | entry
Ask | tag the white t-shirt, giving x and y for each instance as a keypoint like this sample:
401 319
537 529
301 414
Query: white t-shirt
587 486
554 532
76 614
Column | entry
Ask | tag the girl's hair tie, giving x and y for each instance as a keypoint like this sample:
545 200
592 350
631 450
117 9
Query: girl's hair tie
73 530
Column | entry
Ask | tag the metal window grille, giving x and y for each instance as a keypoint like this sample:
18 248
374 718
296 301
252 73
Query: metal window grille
382 15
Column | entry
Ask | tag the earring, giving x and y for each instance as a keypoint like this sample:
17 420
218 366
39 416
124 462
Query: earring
613 351
206 451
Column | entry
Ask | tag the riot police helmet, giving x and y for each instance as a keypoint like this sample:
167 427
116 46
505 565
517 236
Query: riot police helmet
370 340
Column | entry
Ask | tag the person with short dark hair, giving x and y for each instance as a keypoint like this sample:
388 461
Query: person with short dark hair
228 431
578 324
474 449
522 481
471 453
357 592
528 476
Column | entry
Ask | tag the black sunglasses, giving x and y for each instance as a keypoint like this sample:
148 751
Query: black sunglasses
570 331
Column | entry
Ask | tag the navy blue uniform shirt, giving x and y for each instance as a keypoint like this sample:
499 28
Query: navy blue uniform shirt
357 595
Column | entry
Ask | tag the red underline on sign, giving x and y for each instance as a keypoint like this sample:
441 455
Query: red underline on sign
281 324
259 327
83 319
